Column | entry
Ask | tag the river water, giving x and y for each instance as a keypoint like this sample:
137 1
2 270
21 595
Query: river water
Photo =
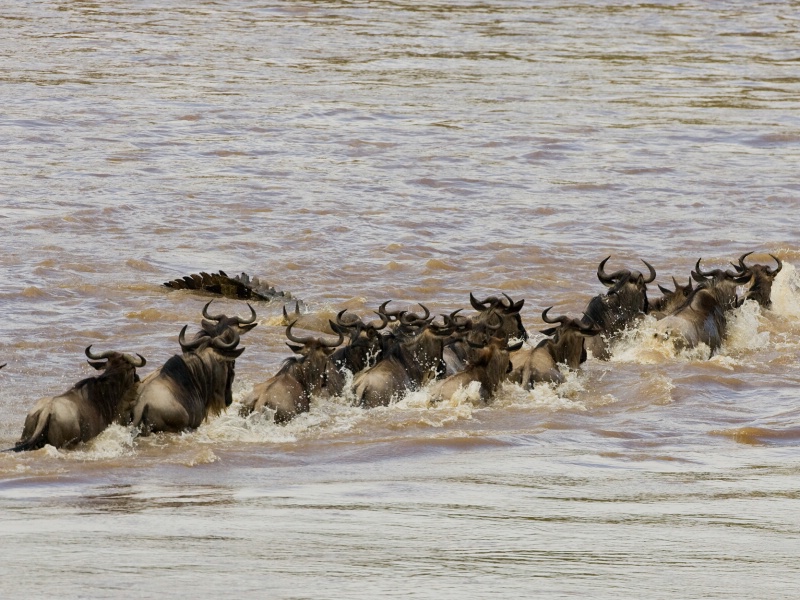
355 152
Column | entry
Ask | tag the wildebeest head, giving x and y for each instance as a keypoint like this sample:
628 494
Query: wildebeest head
761 278
111 360
218 355
215 325
507 309
722 283
364 348
568 338
119 368
422 343
629 286
671 300
309 366
365 338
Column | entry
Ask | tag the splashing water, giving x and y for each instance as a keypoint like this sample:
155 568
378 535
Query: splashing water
785 293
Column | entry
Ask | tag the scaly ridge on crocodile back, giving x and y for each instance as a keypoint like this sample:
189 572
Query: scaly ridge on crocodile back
240 287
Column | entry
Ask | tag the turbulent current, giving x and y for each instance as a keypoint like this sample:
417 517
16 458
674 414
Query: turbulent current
350 153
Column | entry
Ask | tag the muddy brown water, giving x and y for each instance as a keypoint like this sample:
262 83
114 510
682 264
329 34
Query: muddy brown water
355 152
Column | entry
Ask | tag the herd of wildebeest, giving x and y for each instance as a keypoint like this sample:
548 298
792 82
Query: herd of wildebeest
376 362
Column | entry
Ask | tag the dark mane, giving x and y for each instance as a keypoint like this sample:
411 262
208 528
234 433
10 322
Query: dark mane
290 365
106 390
192 376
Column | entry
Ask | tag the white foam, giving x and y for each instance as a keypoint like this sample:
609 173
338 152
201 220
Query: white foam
743 335
785 293
646 344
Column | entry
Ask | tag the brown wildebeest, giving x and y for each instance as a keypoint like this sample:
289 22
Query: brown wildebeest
87 408
190 386
625 301
567 346
671 300
489 365
360 353
702 317
468 330
216 325
289 391
411 357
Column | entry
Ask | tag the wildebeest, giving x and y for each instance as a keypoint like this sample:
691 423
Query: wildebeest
473 330
190 386
671 300
289 391
216 325
87 408
410 358
761 278
509 312
567 346
625 301
702 318
488 364
362 351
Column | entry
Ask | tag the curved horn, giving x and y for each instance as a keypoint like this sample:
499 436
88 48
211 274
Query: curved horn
427 312
138 364
652 272
604 277
457 321
411 319
742 266
357 323
208 316
187 346
384 322
593 328
479 306
242 321
297 340
546 319
780 264
331 344
699 269
218 344
101 356
395 314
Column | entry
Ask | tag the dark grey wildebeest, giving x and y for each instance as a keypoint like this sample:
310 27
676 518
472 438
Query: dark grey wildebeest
761 279
488 364
619 307
566 344
289 391
190 386
87 408
361 352
702 318
410 358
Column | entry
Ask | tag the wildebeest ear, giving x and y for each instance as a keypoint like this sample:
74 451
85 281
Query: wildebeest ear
549 332
246 327
97 364
664 290
295 349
